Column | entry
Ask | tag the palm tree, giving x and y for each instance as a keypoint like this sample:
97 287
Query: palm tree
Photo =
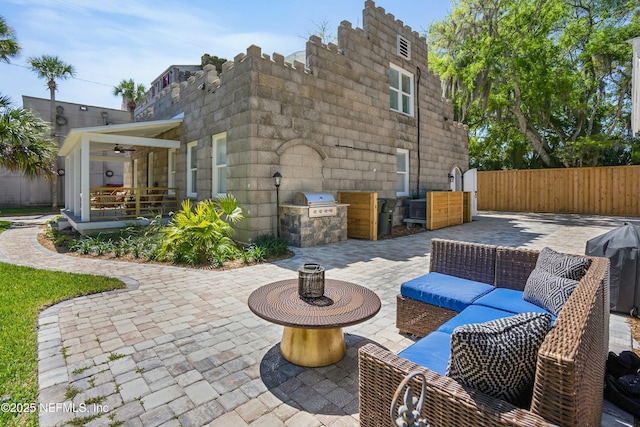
132 94
24 142
52 68
8 44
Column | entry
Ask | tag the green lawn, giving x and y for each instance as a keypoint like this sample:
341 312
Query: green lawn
24 292
32 210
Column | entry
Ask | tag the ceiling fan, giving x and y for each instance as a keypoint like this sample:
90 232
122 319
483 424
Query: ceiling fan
118 149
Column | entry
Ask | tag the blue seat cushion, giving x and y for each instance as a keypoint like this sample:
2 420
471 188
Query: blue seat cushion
473 314
444 291
431 352
509 300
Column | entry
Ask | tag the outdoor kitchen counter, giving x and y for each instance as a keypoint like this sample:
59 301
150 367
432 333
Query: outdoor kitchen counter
313 224
321 210
313 326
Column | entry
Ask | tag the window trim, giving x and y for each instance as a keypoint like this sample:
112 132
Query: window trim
215 167
171 170
399 91
405 152
190 170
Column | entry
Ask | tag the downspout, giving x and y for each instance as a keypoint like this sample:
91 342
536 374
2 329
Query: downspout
418 124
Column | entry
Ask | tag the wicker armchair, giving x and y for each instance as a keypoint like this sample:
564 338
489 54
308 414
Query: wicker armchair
569 379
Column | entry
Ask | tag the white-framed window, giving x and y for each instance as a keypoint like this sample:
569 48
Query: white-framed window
192 169
219 164
404 47
402 188
171 170
401 90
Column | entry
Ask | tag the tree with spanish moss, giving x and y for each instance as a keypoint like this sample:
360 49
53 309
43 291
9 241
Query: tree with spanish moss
538 81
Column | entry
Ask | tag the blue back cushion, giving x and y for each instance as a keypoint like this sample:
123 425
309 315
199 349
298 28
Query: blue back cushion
473 314
444 291
431 352
509 300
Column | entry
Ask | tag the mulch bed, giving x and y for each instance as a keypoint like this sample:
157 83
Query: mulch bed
396 231
403 230
48 244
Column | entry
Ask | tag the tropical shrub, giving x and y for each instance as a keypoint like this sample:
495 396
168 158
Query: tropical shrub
272 245
203 234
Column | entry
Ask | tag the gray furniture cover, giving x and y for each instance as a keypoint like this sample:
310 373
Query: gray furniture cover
621 246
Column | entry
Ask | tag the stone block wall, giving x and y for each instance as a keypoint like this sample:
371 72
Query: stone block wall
302 232
325 125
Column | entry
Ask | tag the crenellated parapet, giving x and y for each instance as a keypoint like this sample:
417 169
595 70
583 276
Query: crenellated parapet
370 5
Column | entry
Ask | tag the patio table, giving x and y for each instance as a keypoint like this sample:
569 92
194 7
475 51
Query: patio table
312 334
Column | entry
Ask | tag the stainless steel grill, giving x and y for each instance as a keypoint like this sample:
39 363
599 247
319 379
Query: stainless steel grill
320 204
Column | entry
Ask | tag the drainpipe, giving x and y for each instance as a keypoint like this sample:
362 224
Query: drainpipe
418 122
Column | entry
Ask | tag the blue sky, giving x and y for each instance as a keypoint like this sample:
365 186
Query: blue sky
107 41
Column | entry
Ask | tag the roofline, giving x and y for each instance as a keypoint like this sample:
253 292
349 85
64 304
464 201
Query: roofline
75 135
174 66
73 103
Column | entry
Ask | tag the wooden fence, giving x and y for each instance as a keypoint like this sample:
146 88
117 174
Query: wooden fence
362 214
444 208
611 190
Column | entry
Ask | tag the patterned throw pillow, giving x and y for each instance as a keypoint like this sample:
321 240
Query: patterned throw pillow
499 357
567 266
548 291
553 279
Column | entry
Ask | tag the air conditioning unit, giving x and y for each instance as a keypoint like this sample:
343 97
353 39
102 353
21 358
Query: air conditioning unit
418 209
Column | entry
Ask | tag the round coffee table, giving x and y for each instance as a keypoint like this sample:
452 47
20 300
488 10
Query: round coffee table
313 327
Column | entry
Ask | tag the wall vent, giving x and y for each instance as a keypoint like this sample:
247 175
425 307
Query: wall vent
404 47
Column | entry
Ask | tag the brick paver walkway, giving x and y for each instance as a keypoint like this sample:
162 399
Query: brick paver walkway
179 347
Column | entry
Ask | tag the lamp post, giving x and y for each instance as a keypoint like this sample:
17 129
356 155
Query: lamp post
277 178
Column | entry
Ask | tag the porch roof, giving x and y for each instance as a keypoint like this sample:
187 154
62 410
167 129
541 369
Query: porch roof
79 145
105 137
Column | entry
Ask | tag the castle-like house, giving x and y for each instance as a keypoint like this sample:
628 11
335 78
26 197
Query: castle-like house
363 115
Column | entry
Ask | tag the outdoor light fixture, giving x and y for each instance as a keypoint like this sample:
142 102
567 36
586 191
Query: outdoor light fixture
119 150
450 177
277 178
61 172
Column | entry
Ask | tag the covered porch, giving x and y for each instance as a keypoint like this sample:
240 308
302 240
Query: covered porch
90 209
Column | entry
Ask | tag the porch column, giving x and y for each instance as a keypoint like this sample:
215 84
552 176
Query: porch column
67 183
75 181
85 209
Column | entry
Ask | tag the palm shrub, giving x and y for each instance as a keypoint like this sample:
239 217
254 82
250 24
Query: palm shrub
272 245
202 234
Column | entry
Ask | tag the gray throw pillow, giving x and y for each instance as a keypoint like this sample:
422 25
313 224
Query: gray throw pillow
548 291
563 265
499 357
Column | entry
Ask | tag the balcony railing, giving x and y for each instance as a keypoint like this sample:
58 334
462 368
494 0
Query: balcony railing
119 203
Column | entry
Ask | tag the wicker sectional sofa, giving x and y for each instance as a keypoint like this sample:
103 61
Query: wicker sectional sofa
570 364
